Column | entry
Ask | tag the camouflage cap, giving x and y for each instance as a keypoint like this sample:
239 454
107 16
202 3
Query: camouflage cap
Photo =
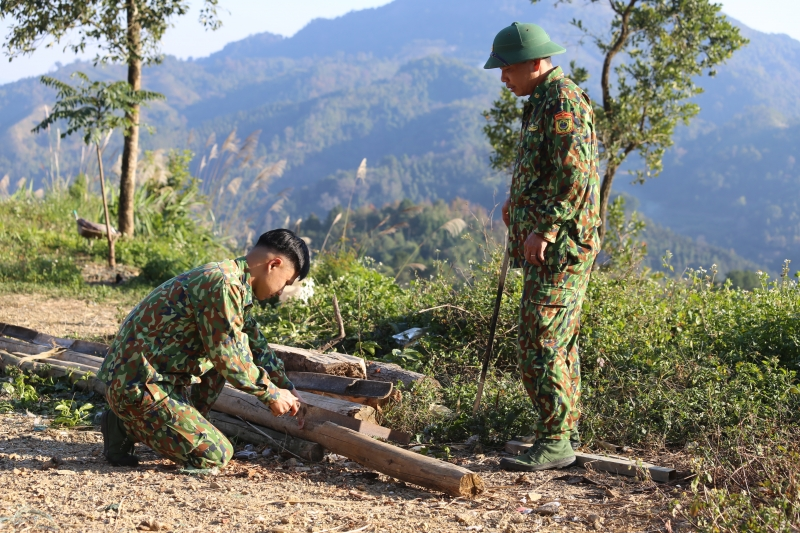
521 42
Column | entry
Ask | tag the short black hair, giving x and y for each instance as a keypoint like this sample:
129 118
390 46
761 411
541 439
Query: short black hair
286 243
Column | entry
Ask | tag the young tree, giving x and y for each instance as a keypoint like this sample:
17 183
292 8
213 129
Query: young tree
96 109
653 52
127 31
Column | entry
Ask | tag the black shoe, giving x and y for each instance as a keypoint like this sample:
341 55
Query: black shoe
117 447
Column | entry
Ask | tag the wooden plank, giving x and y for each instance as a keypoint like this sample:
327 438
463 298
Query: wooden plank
81 379
19 346
301 360
294 359
615 465
402 464
279 442
18 332
340 386
237 403
88 362
395 374
97 349
625 467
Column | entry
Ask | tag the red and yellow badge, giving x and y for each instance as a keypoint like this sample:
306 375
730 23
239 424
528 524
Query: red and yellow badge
564 123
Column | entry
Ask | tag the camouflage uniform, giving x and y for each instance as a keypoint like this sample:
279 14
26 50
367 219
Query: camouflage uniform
175 351
555 194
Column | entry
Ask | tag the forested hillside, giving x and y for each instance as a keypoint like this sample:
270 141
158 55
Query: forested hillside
402 86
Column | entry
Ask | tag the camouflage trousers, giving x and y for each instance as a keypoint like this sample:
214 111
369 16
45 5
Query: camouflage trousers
171 420
549 323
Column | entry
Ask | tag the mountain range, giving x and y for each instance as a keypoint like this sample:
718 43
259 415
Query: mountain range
402 85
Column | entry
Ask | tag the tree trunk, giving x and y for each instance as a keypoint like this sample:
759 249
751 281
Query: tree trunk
605 191
130 149
112 260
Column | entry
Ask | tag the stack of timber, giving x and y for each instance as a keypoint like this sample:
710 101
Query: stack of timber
338 413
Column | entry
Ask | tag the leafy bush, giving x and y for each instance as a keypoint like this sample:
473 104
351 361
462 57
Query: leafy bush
42 270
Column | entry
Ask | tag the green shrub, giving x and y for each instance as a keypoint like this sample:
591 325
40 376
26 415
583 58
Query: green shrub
42 270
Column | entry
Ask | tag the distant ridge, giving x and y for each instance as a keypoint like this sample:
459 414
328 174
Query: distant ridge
402 85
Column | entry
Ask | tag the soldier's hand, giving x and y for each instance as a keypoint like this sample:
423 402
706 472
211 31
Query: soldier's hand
297 395
504 211
286 403
534 249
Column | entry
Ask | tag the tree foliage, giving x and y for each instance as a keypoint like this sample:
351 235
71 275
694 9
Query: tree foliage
95 22
127 31
94 108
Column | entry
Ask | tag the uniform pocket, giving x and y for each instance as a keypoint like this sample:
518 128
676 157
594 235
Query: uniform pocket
549 295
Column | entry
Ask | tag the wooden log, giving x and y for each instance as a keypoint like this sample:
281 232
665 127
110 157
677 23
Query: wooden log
336 364
294 359
18 346
625 467
395 374
371 393
279 442
604 463
36 337
402 464
80 378
353 410
237 403
88 362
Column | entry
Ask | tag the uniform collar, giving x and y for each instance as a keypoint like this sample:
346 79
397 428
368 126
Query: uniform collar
541 90
241 263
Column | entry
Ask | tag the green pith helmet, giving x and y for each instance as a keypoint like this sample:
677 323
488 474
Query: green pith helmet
521 42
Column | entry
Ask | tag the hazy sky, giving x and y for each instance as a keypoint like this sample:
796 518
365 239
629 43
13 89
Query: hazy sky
245 17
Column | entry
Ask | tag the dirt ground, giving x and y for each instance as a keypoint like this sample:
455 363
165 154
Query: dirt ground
79 491
62 317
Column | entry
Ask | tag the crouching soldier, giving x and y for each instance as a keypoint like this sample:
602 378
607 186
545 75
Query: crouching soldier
176 350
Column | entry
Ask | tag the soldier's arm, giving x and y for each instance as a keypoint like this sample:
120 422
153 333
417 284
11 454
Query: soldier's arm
221 322
568 130
263 354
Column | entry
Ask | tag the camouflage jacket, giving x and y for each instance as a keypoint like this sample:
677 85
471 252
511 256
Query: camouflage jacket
555 186
190 325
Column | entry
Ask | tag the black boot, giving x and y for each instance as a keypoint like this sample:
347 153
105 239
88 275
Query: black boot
117 447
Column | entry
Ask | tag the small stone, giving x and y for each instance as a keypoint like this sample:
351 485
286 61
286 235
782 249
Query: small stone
548 509
595 521
291 462
151 524
466 519
215 485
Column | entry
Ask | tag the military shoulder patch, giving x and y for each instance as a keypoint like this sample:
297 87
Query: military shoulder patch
564 123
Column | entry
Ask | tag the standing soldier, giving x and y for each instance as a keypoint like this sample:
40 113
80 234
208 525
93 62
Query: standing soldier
552 214
178 347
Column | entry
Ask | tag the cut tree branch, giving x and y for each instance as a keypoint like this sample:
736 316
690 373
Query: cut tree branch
336 340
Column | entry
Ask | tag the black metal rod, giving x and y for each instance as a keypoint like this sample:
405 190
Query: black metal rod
487 357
